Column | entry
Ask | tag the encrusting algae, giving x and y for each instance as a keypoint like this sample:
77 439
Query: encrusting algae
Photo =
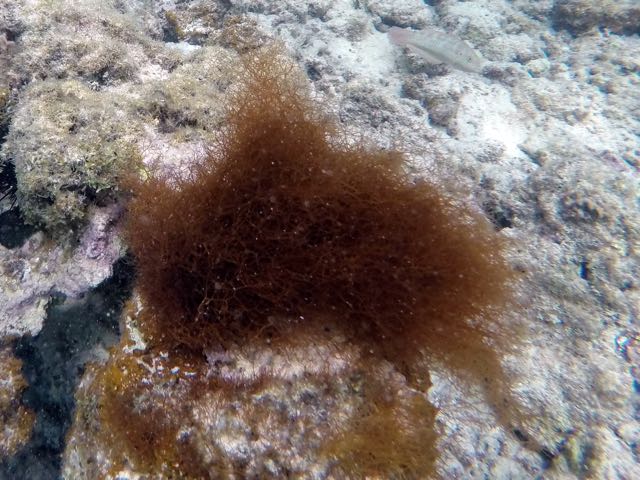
16 420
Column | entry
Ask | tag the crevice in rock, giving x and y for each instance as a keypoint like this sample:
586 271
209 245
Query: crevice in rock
74 333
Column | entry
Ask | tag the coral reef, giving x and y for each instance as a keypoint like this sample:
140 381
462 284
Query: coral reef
545 141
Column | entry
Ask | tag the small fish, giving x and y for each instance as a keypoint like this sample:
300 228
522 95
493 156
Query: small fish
438 47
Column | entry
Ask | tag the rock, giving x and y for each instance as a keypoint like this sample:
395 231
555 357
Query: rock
34 272
580 16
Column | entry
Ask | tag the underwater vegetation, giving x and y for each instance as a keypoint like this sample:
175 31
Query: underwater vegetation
152 406
284 221
68 147
286 228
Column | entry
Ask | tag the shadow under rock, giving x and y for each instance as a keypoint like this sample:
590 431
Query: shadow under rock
13 230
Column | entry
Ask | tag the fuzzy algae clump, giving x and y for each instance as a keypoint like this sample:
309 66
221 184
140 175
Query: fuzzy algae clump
69 145
70 132
98 41
292 286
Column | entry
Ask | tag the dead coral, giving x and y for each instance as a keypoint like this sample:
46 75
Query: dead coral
313 405
103 41
188 103
69 146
